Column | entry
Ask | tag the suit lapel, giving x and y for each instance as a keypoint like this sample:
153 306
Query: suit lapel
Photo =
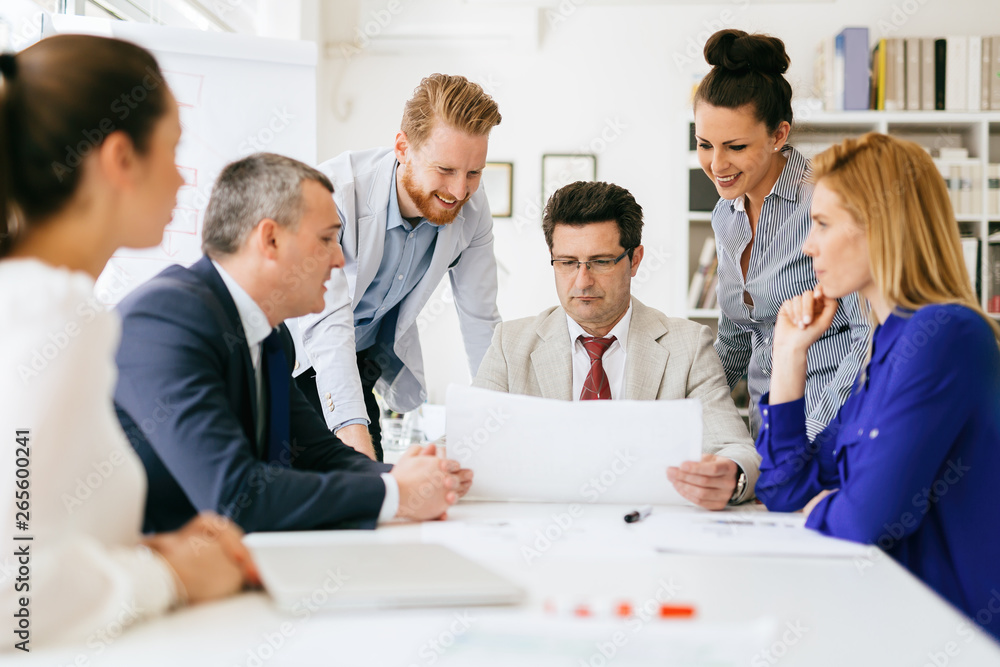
552 359
371 225
234 334
646 360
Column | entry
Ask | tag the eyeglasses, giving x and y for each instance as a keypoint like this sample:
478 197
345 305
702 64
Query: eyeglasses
570 266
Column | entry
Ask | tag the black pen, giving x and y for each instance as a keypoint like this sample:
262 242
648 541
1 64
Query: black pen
639 514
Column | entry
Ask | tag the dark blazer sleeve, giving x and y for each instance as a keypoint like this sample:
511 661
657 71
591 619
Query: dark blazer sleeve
179 365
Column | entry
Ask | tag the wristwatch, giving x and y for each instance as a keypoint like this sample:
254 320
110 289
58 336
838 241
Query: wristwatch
741 484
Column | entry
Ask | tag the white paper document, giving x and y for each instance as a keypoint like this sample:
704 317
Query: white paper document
743 534
542 450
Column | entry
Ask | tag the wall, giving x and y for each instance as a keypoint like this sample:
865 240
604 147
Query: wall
611 80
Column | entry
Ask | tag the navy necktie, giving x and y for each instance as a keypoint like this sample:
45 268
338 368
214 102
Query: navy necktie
277 377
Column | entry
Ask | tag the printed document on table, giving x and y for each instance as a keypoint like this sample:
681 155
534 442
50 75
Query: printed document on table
743 534
532 449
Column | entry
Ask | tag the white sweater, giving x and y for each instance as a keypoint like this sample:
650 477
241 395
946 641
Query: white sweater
88 576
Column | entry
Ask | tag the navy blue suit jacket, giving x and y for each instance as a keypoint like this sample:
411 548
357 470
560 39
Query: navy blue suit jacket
186 398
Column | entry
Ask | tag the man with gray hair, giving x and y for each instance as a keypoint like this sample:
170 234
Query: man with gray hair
205 393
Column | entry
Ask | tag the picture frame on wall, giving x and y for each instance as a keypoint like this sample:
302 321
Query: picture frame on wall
498 184
559 169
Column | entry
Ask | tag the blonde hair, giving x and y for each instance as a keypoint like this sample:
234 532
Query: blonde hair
894 191
455 101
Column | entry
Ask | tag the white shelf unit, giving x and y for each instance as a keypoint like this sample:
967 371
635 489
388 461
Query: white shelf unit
979 132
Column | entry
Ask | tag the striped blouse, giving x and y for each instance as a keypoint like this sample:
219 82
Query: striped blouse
778 270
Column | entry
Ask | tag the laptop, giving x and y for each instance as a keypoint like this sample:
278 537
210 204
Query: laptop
352 570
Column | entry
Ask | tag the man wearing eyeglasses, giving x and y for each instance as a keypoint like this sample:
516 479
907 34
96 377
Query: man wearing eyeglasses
603 343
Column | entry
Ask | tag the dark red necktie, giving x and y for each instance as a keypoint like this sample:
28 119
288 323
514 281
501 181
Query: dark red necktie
596 387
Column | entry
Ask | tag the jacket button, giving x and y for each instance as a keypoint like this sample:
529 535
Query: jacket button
331 407
327 396
873 433
296 365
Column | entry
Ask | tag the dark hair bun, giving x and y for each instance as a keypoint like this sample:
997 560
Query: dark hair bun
736 50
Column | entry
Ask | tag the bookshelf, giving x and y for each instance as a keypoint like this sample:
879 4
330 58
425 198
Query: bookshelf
978 132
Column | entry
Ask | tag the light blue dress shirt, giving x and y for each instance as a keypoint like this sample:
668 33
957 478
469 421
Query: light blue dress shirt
405 260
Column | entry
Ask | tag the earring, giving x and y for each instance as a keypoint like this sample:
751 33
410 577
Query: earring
776 148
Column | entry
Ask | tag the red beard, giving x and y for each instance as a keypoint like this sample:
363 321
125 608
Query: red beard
426 202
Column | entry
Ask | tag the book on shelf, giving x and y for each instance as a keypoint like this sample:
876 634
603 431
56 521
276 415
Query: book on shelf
825 77
954 73
927 74
957 64
877 93
993 190
708 294
994 74
986 60
970 249
911 48
851 49
940 60
974 76
700 276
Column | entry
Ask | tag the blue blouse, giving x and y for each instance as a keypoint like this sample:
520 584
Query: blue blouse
915 454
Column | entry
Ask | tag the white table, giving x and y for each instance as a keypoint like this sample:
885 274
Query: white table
842 614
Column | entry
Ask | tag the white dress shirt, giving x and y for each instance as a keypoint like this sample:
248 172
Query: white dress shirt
613 359
257 328
87 487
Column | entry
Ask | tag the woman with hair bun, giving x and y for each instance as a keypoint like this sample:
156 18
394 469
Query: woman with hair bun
80 176
910 462
742 116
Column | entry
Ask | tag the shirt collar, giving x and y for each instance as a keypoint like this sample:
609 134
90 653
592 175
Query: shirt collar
887 333
254 321
619 331
787 185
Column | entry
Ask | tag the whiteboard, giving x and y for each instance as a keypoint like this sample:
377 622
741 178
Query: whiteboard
238 94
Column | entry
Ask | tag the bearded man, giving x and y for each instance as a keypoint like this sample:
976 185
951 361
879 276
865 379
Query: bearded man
410 214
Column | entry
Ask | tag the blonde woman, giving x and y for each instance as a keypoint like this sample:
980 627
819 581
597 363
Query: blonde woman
910 461
72 489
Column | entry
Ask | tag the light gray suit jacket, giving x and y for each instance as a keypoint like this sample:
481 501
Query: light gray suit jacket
362 181
667 358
